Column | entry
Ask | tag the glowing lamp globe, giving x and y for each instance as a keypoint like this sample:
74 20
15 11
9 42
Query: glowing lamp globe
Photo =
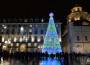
51 14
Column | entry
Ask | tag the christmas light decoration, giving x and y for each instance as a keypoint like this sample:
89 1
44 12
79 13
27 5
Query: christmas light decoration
51 40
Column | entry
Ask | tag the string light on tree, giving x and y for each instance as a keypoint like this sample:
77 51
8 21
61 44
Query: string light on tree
51 40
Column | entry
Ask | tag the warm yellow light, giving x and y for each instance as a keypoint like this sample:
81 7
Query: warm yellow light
5 42
4 47
38 39
17 49
76 9
29 44
21 39
40 46
35 44
69 20
88 19
17 44
23 48
32 38
9 42
77 18
2 39
15 39
0 44
24 37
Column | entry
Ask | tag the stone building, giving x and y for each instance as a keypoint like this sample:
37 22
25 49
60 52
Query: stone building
76 37
20 34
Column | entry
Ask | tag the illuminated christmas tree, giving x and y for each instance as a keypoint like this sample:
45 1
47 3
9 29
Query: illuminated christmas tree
50 61
51 40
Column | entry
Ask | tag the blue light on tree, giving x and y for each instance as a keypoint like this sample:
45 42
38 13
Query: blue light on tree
51 40
50 61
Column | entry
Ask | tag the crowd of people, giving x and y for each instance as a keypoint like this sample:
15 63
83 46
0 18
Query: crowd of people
40 55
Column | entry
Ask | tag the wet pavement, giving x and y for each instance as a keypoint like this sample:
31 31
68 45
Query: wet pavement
21 59
34 61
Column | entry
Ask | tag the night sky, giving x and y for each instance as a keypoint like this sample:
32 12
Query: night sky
40 8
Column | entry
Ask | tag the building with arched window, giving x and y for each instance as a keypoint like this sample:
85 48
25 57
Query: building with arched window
76 37
24 33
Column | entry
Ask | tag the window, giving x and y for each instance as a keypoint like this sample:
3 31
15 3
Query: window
57 31
41 31
30 25
36 32
35 38
13 31
36 20
86 39
29 40
18 31
78 38
30 31
42 39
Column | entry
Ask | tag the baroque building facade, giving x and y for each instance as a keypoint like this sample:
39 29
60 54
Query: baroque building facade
76 37
24 36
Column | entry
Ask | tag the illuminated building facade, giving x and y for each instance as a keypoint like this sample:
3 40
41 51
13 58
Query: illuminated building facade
77 32
24 36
